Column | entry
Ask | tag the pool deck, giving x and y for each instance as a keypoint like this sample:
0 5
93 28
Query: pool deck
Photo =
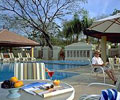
80 82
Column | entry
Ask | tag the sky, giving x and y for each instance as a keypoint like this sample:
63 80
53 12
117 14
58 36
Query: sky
100 7
97 8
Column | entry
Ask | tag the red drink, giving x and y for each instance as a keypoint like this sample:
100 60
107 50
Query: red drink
50 73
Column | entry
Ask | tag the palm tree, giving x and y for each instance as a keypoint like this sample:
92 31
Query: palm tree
72 29
86 22
77 26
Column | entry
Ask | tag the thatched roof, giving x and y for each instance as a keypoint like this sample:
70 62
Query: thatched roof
11 39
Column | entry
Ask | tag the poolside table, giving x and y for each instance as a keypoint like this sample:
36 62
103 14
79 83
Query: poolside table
27 96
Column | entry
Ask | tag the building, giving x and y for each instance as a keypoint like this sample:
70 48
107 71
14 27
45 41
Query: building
78 51
46 53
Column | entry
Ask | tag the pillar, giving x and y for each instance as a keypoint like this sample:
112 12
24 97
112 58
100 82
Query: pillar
103 48
10 49
66 54
32 51
90 54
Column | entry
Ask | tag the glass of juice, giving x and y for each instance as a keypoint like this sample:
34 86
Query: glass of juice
50 74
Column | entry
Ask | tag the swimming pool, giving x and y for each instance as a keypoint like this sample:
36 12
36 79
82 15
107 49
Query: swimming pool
7 70
67 62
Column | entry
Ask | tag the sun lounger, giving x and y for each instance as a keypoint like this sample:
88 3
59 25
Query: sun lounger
96 96
29 71
3 59
114 63
21 58
12 58
30 58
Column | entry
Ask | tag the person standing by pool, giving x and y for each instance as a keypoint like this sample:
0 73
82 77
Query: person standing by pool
98 62
62 54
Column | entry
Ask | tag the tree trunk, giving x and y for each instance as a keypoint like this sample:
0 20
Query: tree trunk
77 38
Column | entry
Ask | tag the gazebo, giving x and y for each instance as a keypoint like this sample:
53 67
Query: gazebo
11 39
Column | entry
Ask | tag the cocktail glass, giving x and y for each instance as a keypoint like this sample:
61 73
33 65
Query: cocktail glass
50 73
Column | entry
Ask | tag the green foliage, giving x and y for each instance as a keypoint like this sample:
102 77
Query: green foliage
58 42
72 29
115 12
86 21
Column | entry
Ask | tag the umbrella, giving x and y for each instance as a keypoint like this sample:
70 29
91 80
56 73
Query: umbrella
109 27
105 29
110 24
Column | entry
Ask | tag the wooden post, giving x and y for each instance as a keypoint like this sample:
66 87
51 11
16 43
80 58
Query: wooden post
10 49
103 48
32 51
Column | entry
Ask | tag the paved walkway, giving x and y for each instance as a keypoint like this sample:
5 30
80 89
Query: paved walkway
80 82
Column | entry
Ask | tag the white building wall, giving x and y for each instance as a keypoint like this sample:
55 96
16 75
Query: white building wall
36 52
78 56
51 54
56 51
45 52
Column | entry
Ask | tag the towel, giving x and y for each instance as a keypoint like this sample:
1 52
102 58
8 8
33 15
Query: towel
110 94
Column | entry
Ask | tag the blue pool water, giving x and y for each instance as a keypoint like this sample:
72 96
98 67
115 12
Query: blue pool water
62 64
65 62
7 70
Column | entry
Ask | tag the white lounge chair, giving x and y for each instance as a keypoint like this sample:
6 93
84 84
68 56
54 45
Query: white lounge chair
29 71
97 72
30 58
111 62
21 58
97 96
3 59
114 63
12 58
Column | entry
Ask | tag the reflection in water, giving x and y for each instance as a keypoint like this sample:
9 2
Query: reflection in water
8 66
11 66
60 66
61 75
1 66
68 62
6 71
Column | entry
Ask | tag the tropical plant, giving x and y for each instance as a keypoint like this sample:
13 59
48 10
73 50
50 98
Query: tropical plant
72 29
115 12
86 23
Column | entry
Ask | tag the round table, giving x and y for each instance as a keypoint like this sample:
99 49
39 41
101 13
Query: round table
27 96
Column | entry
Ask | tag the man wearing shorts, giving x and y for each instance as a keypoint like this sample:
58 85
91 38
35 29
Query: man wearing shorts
98 62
